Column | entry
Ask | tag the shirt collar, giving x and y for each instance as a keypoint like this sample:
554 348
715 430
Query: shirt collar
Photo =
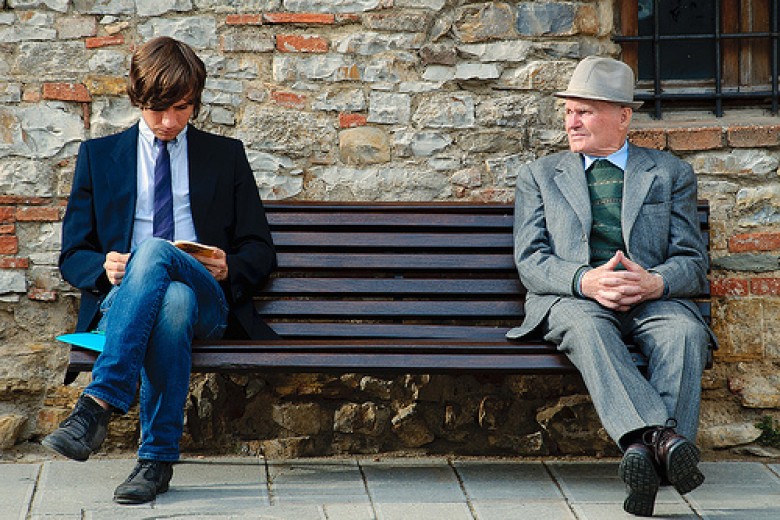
148 136
619 158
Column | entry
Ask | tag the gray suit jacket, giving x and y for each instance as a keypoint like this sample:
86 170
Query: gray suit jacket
553 222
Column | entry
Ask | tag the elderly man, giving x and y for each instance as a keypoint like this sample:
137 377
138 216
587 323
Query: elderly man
608 244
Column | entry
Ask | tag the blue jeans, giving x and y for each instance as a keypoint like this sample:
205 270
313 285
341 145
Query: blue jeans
165 299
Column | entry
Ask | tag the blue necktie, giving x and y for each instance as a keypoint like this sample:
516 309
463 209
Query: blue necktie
163 195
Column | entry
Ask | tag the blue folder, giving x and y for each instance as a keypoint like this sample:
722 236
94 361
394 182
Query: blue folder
89 340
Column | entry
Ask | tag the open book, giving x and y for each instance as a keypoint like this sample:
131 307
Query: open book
194 248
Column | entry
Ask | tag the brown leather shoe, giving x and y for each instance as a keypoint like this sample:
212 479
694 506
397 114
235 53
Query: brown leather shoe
677 457
638 471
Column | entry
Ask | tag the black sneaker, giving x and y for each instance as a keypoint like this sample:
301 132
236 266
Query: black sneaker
148 479
82 432
638 471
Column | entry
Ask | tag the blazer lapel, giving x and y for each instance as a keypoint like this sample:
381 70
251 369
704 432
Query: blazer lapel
570 178
636 185
203 173
122 175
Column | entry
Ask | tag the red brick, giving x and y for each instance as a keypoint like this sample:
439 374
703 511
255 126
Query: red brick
7 229
244 19
288 99
730 287
753 136
7 213
648 137
348 18
66 92
352 120
42 295
41 214
765 286
754 242
689 139
104 41
9 245
14 263
300 43
300 18
15 199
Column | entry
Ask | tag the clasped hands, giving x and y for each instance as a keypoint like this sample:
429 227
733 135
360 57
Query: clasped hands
621 290
116 263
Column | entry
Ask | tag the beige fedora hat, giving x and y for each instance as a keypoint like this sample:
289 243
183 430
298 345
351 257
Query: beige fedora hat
602 79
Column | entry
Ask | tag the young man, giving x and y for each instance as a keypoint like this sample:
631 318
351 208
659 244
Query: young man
134 192
608 244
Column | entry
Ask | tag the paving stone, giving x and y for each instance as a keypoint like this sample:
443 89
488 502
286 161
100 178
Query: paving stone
525 510
485 481
417 510
751 486
592 511
317 482
17 482
415 481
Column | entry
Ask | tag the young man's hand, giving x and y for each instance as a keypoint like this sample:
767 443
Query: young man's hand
621 290
115 266
216 264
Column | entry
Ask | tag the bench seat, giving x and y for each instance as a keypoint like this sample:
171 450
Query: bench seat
390 288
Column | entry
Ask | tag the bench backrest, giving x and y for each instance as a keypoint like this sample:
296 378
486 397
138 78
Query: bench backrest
391 270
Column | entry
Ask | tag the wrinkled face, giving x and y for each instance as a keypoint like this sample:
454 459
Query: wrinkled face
168 123
596 127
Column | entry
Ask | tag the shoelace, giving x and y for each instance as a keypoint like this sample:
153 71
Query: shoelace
656 436
81 419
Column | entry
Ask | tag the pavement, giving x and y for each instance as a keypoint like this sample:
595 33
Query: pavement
379 487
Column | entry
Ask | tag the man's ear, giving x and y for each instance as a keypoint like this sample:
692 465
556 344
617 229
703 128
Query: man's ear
626 113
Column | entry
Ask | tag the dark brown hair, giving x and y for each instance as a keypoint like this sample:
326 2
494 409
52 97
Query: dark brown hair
164 71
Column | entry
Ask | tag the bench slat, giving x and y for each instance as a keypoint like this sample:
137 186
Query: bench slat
421 262
312 241
478 287
397 309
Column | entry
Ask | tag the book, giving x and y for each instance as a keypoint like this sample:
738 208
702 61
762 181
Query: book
195 248
90 340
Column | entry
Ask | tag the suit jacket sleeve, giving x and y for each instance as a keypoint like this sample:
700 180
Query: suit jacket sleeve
250 256
81 259
540 269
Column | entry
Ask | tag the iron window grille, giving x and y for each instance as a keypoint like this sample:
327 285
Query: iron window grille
651 50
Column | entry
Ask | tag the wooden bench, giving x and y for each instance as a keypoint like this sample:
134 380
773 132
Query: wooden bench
389 288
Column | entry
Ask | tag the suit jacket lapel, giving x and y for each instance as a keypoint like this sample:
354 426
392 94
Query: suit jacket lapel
203 173
570 178
636 185
122 172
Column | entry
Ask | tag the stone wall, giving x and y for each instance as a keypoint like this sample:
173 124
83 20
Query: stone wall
362 100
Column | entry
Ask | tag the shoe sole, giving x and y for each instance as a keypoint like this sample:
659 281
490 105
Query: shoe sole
53 443
642 481
682 467
129 499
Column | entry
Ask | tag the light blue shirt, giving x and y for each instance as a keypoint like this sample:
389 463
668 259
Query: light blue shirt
184 228
619 158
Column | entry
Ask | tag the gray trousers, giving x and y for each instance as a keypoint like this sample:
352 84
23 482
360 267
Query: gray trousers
674 341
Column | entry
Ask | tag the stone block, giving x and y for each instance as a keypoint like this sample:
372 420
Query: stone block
286 448
370 43
757 389
106 62
438 54
55 5
446 110
477 71
736 162
389 108
300 418
330 6
11 281
320 67
364 145
574 427
112 7
721 436
410 428
341 100
390 183
485 22
506 51
420 144
160 7
546 18
538 76
25 178
10 428
10 93
288 99
734 322
648 137
34 59
70 27
290 132
99 85
360 418
199 32
403 21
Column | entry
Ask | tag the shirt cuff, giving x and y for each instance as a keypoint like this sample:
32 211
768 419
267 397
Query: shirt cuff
576 283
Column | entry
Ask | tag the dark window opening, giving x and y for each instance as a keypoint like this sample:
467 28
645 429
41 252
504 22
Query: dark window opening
702 53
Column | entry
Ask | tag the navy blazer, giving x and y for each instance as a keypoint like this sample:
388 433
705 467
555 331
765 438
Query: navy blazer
226 211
